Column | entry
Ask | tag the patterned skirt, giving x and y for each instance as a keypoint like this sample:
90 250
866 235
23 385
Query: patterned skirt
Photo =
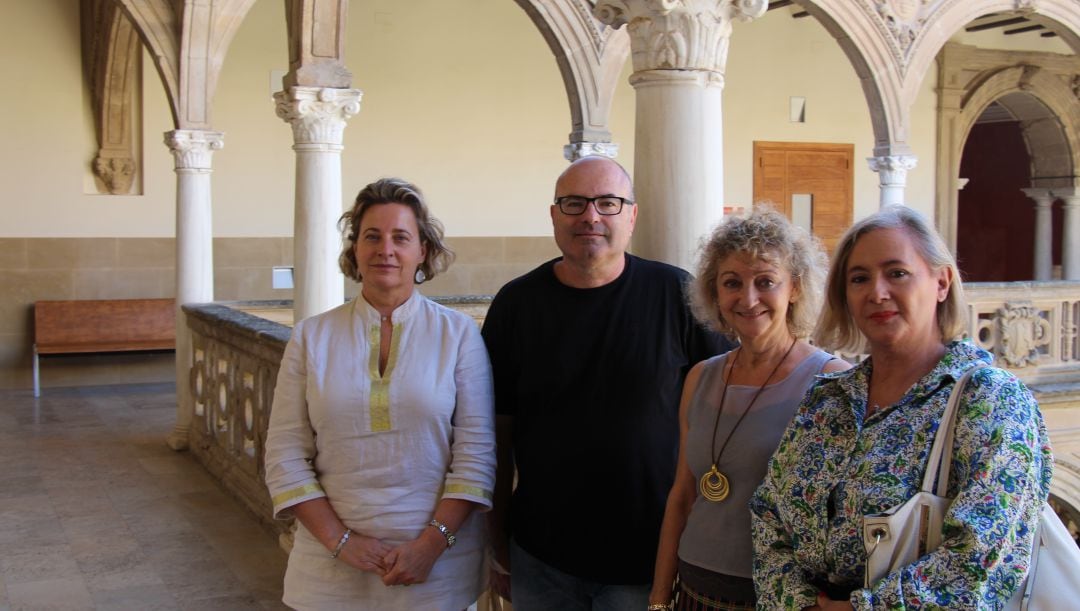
687 599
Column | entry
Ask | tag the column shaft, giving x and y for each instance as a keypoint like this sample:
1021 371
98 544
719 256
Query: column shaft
1070 255
1043 263
192 151
318 117
678 162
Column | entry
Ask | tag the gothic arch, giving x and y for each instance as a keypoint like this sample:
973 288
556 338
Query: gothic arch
949 16
863 36
1036 87
590 56
188 41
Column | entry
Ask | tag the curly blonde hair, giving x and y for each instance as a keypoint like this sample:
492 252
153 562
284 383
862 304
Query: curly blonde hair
767 235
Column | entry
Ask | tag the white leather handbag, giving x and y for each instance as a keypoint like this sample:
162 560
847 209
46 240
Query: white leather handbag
907 532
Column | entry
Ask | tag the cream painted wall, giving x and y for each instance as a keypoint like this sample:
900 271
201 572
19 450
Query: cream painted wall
777 57
463 98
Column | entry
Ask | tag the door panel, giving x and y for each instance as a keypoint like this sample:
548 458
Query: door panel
824 171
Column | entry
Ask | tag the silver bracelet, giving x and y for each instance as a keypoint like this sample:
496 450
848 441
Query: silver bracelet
450 538
659 607
341 543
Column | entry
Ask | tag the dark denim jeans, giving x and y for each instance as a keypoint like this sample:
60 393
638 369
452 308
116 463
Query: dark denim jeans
536 586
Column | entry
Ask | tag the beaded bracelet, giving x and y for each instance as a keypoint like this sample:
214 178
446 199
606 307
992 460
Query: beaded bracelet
341 543
450 538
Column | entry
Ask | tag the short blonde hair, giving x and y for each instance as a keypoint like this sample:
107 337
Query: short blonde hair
767 235
837 329
395 191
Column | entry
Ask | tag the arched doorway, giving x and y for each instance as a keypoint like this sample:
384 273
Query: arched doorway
1016 145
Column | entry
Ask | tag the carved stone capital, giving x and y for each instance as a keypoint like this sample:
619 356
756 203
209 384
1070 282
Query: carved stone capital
678 34
116 172
1042 197
892 169
577 150
317 114
193 148
1069 196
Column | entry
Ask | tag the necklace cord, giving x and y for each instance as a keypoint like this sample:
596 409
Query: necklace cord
723 396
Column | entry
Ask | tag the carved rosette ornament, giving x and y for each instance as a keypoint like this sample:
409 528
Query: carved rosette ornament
1021 332
678 34
317 114
577 150
193 149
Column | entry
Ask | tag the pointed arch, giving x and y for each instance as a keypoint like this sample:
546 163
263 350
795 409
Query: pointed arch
188 41
590 56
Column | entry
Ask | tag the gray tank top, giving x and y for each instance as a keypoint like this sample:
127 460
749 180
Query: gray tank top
717 535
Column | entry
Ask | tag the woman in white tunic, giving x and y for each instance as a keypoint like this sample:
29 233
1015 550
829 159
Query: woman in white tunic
381 440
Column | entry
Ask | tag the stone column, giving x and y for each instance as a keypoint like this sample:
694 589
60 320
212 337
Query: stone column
892 172
1070 235
1043 269
577 150
192 150
318 116
679 52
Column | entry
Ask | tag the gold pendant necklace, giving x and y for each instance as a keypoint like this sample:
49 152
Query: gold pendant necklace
714 485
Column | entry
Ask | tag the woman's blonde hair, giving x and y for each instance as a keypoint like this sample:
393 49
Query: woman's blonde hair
837 330
767 235
395 191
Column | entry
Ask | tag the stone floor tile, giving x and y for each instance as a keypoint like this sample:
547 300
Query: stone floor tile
137 598
50 595
37 564
97 512
224 603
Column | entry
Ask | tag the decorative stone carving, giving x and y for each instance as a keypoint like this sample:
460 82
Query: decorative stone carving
110 48
193 149
678 34
317 114
1028 73
893 169
903 19
115 173
1022 331
1025 6
577 150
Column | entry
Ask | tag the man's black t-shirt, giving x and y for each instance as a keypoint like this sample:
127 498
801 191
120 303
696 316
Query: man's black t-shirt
592 378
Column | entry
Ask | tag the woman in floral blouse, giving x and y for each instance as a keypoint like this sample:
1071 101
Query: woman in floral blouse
858 444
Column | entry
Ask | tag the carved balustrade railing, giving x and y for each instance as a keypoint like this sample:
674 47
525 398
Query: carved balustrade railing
1030 327
236 357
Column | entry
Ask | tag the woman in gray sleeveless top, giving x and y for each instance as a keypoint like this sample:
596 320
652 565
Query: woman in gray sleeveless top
759 279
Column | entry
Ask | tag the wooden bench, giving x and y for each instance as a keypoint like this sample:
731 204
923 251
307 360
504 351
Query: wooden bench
102 325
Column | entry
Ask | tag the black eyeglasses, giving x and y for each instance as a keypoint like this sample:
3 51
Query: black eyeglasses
607 205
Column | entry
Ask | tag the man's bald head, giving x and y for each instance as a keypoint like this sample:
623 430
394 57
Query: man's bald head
596 165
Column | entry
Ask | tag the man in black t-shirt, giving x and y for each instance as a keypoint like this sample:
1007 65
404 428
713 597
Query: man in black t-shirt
589 352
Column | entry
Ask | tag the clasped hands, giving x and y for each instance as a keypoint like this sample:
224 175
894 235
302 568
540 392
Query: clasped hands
402 565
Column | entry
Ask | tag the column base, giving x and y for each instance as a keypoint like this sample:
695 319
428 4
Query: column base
178 439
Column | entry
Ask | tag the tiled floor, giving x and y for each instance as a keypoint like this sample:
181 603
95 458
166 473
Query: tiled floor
96 512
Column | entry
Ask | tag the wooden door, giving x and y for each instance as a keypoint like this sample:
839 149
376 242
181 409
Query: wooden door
819 173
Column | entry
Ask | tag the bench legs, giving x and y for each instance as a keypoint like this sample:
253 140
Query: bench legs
37 374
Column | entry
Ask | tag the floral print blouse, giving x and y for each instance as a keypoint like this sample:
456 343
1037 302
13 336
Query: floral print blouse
832 467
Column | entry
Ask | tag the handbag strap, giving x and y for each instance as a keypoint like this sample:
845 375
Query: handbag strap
941 452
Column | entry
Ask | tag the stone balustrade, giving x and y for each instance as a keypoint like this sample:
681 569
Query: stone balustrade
1030 327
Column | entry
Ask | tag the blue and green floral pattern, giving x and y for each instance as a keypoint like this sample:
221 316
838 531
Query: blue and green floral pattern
831 468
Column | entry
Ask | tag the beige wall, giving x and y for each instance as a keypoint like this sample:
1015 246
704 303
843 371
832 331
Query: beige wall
33 269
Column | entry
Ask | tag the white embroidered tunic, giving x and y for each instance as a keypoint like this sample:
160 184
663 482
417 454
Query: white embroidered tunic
383 449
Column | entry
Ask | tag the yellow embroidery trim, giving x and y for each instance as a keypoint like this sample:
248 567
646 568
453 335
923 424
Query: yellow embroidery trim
296 493
380 384
469 490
